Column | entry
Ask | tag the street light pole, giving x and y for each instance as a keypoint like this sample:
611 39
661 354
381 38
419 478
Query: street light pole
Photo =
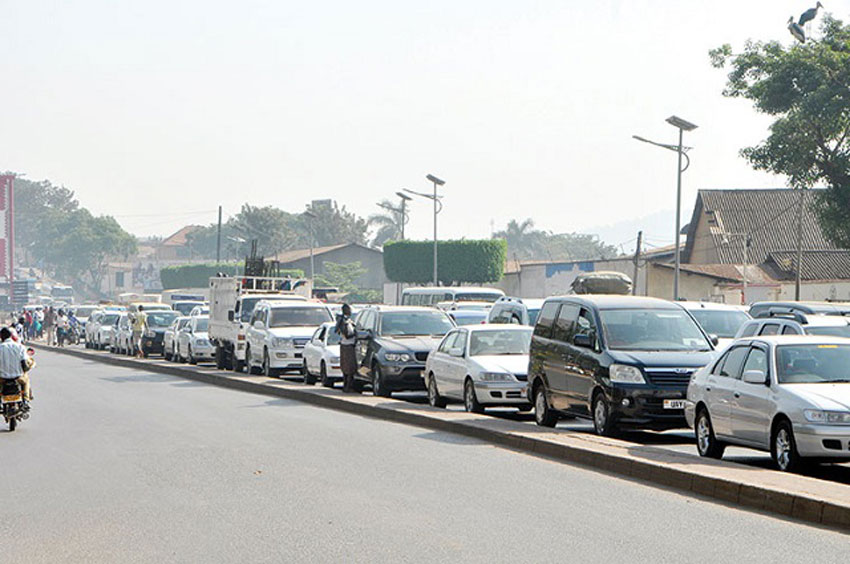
438 207
312 216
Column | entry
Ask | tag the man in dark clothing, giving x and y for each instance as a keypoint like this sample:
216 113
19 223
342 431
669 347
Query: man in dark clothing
347 355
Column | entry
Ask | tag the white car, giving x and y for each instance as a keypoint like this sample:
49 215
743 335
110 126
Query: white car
321 357
199 310
789 395
278 332
92 326
193 341
106 330
718 320
169 338
122 335
483 366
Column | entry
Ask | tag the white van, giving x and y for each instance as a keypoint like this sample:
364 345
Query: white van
433 295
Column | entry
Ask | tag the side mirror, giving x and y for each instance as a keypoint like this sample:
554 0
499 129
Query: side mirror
364 334
715 340
755 377
230 316
585 341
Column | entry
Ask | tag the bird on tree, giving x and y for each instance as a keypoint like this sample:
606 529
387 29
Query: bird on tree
809 15
796 30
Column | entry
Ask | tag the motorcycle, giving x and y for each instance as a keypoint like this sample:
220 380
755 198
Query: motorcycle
12 401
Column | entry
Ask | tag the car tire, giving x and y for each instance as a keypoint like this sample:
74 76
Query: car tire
434 397
707 444
470 400
249 366
601 412
192 359
309 379
238 365
323 376
219 357
783 448
379 386
544 416
268 371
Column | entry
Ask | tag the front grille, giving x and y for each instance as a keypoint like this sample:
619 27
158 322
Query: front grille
299 343
669 376
422 356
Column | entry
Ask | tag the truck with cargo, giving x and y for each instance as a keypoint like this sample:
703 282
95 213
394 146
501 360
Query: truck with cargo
232 301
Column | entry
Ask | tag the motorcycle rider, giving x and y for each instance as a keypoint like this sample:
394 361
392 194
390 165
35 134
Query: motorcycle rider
15 362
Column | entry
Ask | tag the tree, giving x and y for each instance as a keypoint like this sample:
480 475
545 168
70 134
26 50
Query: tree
806 88
388 224
526 243
341 276
270 226
331 225
37 204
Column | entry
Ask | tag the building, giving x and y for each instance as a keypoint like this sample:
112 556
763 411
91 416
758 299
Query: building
176 247
370 259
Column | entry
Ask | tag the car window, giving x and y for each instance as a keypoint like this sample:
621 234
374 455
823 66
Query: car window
448 342
301 316
789 330
532 316
497 314
770 329
733 362
830 330
756 360
319 335
499 342
749 329
401 323
723 323
201 324
546 320
565 323
812 363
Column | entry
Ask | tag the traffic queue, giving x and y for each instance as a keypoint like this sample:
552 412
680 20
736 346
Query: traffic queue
770 377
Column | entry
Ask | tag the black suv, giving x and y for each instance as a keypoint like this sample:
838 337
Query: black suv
622 361
393 343
157 323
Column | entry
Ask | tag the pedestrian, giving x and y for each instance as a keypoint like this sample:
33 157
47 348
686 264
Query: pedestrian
347 356
63 328
140 321
39 323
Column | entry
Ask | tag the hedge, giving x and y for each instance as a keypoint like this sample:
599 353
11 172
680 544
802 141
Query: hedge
198 275
469 261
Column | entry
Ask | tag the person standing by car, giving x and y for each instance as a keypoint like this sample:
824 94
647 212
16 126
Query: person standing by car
347 357
140 320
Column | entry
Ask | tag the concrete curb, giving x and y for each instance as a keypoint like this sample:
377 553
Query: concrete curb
729 482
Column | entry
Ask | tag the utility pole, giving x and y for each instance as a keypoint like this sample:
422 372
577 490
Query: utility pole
218 239
637 262
799 278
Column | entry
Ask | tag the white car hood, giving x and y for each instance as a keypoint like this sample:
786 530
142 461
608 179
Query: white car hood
510 363
293 332
824 396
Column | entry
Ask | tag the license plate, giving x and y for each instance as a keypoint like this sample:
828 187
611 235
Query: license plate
674 404
10 399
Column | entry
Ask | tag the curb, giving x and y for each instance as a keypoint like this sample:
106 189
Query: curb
803 506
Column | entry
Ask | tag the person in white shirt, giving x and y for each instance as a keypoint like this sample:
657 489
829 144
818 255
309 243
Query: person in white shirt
14 362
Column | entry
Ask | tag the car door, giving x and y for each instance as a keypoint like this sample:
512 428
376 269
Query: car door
584 365
366 325
456 364
255 333
563 355
720 387
439 361
751 403
541 357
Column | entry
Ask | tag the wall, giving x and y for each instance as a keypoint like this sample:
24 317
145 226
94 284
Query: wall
838 290
552 279
704 251
370 259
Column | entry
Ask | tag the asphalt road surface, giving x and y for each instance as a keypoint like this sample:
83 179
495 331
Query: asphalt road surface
123 465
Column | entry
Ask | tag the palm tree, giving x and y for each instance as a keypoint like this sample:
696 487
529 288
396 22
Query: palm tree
388 224
523 240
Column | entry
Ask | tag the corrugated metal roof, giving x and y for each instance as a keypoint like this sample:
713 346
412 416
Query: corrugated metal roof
767 217
816 265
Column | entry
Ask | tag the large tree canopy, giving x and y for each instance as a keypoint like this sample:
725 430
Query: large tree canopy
806 88
527 243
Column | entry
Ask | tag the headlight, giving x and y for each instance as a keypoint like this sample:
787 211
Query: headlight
201 342
150 334
281 342
624 374
495 377
827 417
396 357
333 358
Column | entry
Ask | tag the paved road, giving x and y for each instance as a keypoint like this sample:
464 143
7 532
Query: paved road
122 465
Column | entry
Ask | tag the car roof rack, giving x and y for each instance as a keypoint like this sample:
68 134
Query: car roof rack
785 313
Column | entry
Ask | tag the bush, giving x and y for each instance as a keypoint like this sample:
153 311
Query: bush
198 275
465 261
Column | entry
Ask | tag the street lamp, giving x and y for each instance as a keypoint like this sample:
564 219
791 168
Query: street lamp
438 207
401 210
682 126
312 216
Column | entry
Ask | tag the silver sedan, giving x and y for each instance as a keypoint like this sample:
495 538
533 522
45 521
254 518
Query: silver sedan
789 395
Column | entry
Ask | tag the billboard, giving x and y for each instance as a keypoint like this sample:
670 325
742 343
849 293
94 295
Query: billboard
7 228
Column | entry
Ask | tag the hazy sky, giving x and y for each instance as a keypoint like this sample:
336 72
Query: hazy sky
159 111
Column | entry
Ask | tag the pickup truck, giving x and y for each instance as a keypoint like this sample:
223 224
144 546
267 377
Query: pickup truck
232 301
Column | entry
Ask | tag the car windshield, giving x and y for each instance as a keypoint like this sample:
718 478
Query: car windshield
161 318
813 364
532 316
181 323
248 304
202 325
333 336
830 330
185 308
306 316
499 342
109 319
84 311
469 317
402 323
477 297
652 330
723 323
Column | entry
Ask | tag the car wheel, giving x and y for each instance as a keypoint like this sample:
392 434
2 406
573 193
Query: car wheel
268 371
602 423
434 397
784 448
192 359
238 364
707 444
219 357
251 369
309 379
379 386
470 400
323 375
543 414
